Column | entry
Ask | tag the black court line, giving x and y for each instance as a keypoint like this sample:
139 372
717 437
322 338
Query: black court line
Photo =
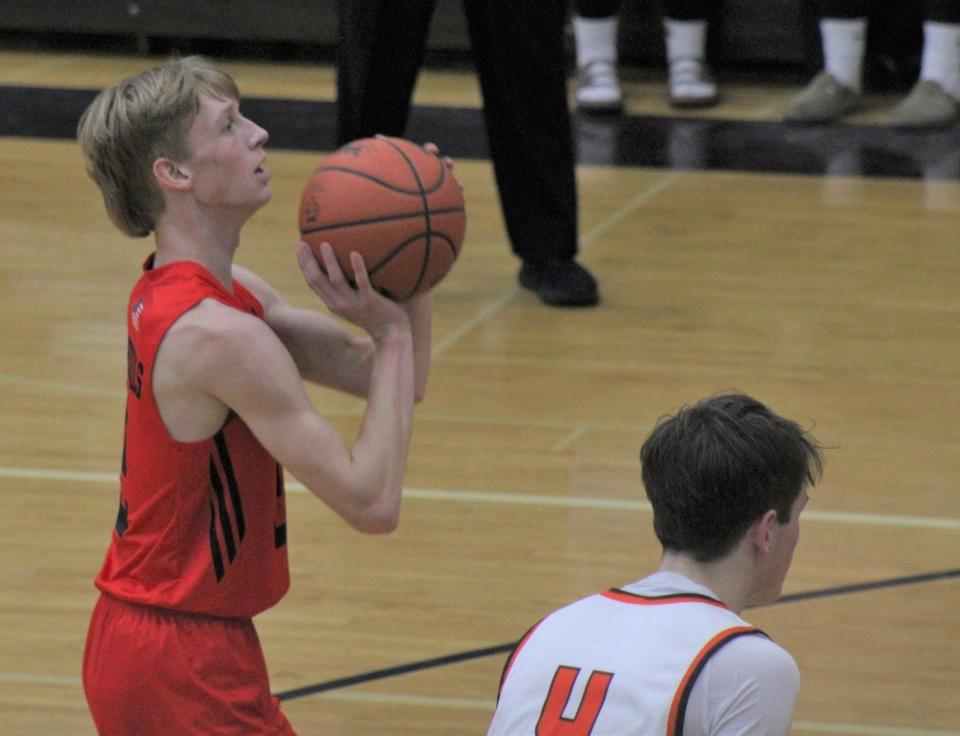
425 664
504 648
638 141
928 577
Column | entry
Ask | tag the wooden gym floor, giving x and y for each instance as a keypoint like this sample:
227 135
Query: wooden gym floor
833 298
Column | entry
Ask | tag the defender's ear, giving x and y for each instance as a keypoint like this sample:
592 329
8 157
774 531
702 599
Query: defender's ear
763 532
170 175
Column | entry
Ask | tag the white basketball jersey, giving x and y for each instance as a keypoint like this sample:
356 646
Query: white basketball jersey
618 663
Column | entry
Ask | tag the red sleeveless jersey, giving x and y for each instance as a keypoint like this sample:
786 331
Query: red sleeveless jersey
201 526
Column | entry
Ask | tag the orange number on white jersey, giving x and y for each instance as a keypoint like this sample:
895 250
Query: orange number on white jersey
552 721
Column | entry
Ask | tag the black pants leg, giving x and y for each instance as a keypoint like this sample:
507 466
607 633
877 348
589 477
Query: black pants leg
518 47
596 8
380 48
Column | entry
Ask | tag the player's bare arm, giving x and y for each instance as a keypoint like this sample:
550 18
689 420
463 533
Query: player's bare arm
216 357
326 352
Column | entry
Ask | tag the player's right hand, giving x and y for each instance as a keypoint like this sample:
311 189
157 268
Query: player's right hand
362 305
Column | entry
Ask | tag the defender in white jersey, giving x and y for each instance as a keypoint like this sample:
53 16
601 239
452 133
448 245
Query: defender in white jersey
669 654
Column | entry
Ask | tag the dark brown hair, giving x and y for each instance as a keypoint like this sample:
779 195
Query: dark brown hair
715 467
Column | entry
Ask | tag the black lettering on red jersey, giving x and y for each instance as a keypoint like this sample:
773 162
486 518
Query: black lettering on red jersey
134 370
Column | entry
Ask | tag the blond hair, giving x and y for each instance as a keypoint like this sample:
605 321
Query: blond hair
130 125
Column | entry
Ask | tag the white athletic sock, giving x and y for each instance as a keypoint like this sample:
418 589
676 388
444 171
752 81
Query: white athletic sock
685 39
844 42
595 39
941 55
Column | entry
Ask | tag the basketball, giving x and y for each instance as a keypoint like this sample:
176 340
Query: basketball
394 203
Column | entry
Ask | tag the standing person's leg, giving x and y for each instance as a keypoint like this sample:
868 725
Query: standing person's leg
933 102
835 92
844 35
685 33
520 58
595 29
379 52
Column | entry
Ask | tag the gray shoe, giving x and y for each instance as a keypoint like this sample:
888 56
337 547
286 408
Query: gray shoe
822 101
928 105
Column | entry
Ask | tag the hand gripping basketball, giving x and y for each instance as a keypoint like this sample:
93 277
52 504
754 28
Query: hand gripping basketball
393 202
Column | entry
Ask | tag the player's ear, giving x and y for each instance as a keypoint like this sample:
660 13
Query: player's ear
763 532
171 175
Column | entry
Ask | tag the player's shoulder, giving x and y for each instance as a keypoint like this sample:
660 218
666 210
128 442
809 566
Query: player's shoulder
215 318
218 332
760 658
750 680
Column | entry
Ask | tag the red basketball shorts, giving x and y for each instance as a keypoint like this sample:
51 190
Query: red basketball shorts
151 672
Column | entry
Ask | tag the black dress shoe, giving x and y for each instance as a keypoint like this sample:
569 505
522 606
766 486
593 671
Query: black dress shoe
560 283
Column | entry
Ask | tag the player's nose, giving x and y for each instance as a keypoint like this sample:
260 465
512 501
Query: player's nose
259 136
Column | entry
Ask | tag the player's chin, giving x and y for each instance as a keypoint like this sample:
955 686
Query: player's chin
264 195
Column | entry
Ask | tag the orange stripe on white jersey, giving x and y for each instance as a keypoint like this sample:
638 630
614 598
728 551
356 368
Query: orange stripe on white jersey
678 707
623 596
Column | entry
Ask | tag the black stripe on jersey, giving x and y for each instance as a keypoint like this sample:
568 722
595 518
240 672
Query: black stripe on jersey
123 457
222 506
231 482
685 695
215 546
280 531
121 524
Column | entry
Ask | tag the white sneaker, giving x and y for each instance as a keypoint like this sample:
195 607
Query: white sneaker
598 88
691 84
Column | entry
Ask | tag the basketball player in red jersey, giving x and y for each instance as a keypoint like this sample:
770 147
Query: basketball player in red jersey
669 655
216 408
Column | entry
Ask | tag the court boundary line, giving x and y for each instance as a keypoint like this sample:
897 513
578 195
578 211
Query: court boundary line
520 499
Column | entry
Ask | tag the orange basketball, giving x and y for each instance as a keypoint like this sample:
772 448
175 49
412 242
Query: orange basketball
397 205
